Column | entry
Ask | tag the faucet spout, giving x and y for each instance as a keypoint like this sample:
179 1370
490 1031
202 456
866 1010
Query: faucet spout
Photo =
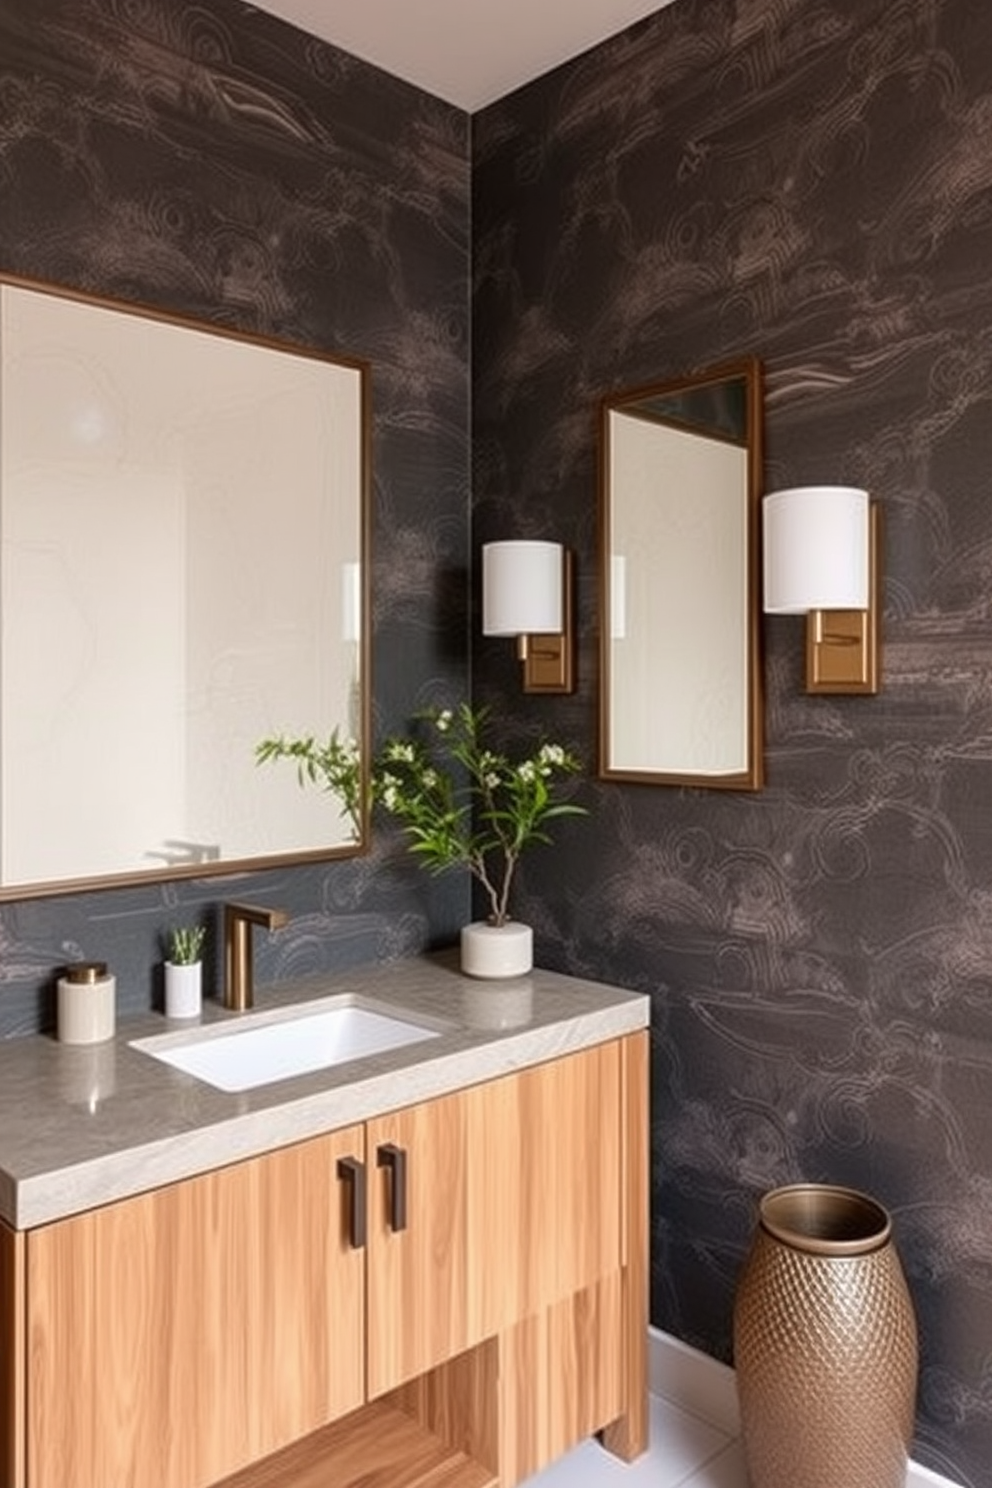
239 991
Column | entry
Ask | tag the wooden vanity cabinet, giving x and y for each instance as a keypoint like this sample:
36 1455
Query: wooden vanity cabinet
12 1358
211 1332
179 1335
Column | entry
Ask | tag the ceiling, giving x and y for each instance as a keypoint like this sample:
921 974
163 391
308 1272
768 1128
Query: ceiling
465 51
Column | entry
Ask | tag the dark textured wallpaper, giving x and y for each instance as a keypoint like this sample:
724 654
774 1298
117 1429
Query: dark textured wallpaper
810 183
807 182
208 159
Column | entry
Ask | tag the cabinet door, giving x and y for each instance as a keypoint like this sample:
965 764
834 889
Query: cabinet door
179 1335
512 1202
548 1186
416 1282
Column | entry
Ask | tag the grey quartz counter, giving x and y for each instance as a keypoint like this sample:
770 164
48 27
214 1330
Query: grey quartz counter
84 1125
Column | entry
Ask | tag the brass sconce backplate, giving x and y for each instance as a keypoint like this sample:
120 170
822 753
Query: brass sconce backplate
842 646
549 660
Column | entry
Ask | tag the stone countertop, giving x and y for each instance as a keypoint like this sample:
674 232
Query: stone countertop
83 1125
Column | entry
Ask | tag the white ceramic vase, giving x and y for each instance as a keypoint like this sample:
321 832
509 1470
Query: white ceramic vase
87 997
183 990
497 950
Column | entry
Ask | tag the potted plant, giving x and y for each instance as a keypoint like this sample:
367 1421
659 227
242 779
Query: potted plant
462 802
183 971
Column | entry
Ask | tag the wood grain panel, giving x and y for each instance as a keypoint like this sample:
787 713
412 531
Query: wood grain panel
627 1436
514 1202
418 1278
180 1335
581 1148
459 1403
561 1378
12 1356
545 1189
379 1447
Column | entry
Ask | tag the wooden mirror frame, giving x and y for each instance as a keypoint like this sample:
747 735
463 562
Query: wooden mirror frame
722 407
261 499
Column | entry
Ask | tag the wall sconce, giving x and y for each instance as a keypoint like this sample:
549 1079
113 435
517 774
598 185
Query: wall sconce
821 559
527 593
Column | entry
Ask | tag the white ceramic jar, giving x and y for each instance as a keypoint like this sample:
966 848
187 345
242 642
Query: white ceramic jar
497 950
87 1003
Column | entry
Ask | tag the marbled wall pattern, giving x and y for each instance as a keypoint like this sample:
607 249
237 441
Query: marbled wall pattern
208 159
805 181
809 181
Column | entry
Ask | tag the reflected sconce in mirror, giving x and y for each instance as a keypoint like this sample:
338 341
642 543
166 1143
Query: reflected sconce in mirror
351 602
527 593
618 597
821 559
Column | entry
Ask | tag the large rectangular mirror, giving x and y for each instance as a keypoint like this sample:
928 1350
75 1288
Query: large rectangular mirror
182 573
680 699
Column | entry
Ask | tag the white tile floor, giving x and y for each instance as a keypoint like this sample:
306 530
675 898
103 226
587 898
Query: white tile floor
685 1452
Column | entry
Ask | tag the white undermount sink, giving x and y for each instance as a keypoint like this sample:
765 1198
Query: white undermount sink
276 1045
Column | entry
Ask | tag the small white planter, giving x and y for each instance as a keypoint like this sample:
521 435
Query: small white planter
497 950
183 990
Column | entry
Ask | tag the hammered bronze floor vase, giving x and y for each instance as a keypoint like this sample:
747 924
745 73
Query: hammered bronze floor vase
825 1347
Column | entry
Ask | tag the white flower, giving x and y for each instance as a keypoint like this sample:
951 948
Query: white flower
552 754
444 720
527 771
429 779
400 751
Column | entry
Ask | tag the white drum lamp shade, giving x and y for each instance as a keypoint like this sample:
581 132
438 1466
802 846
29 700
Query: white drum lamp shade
816 550
521 588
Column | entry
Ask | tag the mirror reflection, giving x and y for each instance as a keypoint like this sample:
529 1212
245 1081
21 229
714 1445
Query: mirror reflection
181 574
680 692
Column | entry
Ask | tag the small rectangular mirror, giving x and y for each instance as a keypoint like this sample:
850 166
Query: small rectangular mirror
182 541
680 691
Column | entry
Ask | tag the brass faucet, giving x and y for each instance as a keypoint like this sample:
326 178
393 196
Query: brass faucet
239 990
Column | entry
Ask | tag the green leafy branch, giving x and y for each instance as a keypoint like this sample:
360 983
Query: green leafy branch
333 765
460 801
